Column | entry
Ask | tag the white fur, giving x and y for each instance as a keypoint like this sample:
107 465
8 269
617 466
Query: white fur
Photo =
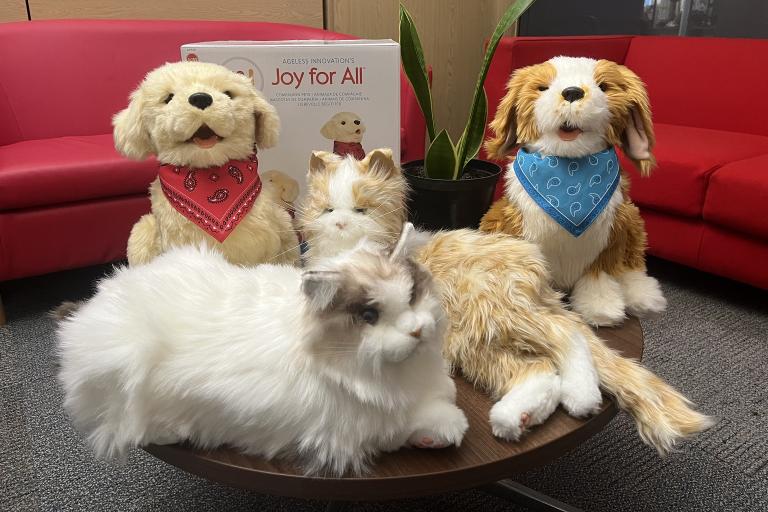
344 226
580 394
599 300
642 293
192 347
567 256
536 396
591 113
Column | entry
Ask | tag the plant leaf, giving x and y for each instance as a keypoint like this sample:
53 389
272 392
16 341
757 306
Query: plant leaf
412 57
441 158
472 138
510 16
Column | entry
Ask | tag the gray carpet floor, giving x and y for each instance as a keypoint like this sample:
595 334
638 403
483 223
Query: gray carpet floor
712 343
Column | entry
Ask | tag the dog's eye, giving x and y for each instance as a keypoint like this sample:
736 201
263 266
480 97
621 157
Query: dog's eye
369 315
357 121
328 210
603 86
543 88
361 210
343 122
229 94
168 98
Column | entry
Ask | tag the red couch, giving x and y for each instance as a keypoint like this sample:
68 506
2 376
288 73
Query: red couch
706 205
67 199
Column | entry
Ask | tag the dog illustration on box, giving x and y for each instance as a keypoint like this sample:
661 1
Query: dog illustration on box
346 130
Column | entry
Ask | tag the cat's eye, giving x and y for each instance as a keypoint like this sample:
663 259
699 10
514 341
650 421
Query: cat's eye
369 315
328 210
361 210
228 93
543 88
603 86
168 99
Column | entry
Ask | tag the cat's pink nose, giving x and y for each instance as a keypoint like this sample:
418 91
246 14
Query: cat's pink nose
416 333
341 225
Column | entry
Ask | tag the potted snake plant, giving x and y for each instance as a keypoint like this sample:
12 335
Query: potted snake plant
450 188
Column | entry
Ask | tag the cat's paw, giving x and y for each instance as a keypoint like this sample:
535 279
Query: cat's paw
438 425
528 404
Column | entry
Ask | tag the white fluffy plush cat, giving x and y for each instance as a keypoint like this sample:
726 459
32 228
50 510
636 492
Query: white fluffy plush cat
326 366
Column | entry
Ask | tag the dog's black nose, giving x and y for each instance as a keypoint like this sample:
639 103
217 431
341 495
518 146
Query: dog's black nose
203 100
573 93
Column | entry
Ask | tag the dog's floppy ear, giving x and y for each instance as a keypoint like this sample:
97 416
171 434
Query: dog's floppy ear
327 130
267 121
131 136
637 138
504 125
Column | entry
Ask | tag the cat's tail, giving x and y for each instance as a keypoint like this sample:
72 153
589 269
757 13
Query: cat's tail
65 310
662 414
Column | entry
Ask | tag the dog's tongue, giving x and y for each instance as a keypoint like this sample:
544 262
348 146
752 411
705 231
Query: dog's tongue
205 138
569 134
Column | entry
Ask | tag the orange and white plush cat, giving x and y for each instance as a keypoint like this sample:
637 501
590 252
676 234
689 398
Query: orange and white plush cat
508 329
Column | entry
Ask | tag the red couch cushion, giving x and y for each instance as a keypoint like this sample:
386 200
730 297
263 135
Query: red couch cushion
730 254
41 240
706 82
67 169
91 66
687 157
737 197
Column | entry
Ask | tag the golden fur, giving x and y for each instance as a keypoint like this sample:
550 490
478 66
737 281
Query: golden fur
506 324
159 120
621 249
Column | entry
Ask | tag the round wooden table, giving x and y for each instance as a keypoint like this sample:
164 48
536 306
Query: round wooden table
481 459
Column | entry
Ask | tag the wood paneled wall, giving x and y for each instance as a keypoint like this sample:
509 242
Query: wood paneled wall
452 32
302 12
13 10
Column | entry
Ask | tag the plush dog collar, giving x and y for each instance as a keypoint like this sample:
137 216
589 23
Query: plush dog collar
349 148
214 198
573 191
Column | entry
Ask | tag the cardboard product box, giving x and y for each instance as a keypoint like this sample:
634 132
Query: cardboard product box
340 96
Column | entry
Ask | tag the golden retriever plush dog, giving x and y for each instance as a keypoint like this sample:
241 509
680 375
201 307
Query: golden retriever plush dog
205 124
565 191
346 130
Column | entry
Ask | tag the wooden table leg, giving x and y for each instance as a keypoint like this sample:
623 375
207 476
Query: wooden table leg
2 312
522 495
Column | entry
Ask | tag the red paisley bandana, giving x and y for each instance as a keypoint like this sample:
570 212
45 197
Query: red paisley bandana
349 148
214 198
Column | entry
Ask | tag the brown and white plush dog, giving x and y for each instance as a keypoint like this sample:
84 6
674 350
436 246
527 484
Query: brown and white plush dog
346 130
564 190
204 123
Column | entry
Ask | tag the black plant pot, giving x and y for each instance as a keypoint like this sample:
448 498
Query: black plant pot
451 204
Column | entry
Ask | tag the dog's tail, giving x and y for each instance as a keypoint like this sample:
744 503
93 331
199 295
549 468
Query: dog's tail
66 310
663 415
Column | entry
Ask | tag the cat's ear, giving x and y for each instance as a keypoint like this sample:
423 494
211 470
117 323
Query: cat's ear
319 161
380 161
321 288
400 252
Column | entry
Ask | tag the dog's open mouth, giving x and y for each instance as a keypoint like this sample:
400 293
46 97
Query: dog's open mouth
204 137
568 133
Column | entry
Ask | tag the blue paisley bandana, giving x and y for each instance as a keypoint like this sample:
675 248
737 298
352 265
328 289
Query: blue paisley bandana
573 191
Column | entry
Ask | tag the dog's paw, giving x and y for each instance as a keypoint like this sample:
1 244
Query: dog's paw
599 300
528 404
642 293
581 399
